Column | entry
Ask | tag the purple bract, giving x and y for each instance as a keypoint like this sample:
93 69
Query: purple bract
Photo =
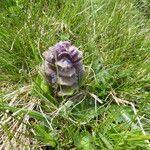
63 67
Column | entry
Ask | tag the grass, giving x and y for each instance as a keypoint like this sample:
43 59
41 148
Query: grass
112 108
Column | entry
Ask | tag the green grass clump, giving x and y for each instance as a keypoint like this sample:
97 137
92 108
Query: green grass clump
112 108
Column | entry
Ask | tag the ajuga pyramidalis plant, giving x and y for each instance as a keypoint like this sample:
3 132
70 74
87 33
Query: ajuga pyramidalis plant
63 67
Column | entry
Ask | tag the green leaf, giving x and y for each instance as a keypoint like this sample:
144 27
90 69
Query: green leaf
106 142
19 111
84 141
45 137
139 138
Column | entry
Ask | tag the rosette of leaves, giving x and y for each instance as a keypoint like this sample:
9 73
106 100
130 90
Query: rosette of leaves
63 67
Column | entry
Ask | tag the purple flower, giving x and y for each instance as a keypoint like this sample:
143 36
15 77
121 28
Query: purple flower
63 67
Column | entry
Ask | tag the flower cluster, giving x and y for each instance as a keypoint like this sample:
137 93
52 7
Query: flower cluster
63 67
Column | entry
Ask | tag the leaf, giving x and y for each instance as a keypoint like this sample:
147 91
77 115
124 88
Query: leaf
106 142
18 111
139 138
44 136
84 141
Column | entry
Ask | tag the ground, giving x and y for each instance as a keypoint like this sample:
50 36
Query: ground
111 109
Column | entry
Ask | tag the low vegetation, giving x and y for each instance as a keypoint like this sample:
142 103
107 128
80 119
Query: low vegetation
111 110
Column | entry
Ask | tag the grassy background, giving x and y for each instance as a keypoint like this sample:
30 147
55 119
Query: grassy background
112 108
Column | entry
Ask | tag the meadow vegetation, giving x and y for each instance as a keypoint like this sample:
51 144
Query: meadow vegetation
111 110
